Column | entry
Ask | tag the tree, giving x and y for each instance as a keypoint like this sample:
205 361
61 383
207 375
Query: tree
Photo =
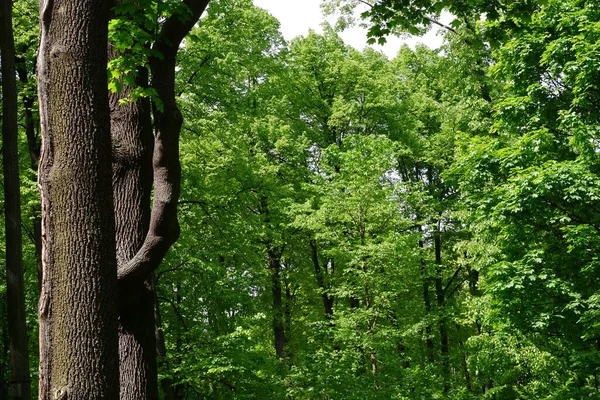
532 188
15 302
390 17
352 226
143 237
238 74
77 313
307 137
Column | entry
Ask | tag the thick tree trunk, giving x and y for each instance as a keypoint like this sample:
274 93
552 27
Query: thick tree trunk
77 314
3 353
15 294
137 347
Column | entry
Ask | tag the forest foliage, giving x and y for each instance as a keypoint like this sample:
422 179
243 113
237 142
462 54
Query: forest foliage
360 227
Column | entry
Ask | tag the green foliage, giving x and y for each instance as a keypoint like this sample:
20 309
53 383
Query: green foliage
315 145
532 191
132 31
434 217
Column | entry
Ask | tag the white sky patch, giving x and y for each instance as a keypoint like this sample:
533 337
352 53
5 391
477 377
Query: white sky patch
297 17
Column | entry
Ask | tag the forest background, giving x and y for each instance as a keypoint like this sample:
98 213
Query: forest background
360 227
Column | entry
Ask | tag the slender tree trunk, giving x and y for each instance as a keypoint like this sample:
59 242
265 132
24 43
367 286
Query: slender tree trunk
428 331
143 241
278 312
474 283
77 313
289 301
34 158
320 275
274 255
465 366
28 104
15 292
161 349
132 185
427 301
2 384
487 387
441 302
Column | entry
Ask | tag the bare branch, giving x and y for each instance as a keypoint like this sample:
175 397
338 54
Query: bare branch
438 23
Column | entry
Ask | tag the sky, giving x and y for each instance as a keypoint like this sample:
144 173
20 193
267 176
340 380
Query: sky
297 17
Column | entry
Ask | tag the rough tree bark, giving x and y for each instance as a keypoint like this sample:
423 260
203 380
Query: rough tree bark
131 132
15 294
77 312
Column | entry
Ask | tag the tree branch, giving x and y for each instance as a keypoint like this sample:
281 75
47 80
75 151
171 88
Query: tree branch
438 23
164 228
452 280
430 19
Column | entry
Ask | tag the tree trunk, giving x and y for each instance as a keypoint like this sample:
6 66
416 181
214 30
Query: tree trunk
144 239
164 227
161 348
465 366
474 283
441 302
15 294
427 301
274 254
428 332
320 275
34 158
137 347
28 103
3 353
132 185
77 313
278 312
